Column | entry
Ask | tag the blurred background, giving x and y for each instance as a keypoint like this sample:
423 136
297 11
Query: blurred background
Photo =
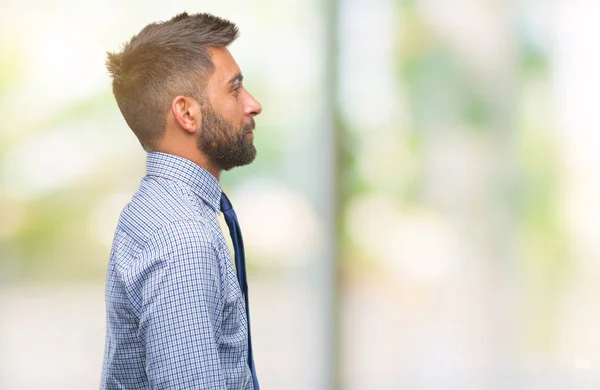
422 214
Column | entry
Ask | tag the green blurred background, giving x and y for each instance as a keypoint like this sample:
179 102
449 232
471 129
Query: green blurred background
422 213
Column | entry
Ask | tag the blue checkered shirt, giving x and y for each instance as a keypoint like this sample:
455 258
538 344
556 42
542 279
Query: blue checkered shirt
174 310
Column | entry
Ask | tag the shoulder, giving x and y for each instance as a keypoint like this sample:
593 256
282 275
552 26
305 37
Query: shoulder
182 235
181 249
161 207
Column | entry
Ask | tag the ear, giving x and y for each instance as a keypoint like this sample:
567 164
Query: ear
187 113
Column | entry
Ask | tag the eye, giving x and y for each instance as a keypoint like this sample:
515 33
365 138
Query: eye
236 91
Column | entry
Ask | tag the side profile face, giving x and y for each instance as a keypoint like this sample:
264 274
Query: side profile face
226 133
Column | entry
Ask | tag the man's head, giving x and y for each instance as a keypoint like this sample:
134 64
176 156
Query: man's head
180 91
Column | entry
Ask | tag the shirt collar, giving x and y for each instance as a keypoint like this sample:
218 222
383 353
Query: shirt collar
171 167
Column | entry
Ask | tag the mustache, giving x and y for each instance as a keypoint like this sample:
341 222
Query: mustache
248 127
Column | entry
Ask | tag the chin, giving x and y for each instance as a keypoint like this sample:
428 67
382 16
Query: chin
230 166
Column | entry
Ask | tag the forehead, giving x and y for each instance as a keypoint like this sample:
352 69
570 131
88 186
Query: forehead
225 65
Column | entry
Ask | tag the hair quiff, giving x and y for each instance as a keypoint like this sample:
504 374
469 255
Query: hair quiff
162 61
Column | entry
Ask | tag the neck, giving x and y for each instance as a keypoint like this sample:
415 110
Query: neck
195 157
205 163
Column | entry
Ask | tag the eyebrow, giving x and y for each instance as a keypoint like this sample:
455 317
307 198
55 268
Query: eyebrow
236 79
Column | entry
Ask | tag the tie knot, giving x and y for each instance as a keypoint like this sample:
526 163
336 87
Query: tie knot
225 203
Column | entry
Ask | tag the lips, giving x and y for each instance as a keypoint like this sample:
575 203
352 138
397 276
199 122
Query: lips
250 127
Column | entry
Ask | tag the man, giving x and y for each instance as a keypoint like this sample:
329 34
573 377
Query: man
176 316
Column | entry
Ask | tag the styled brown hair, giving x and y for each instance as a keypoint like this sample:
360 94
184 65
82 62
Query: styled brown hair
162 61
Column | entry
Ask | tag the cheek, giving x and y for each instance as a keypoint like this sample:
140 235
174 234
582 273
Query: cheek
234 112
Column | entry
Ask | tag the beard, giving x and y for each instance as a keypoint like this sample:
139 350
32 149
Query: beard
225 145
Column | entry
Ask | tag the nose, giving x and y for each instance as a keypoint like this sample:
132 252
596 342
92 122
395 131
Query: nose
252 107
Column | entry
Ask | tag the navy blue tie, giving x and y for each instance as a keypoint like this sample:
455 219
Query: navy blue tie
240 269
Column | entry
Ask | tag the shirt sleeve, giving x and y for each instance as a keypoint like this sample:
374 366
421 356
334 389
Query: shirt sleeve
181 308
